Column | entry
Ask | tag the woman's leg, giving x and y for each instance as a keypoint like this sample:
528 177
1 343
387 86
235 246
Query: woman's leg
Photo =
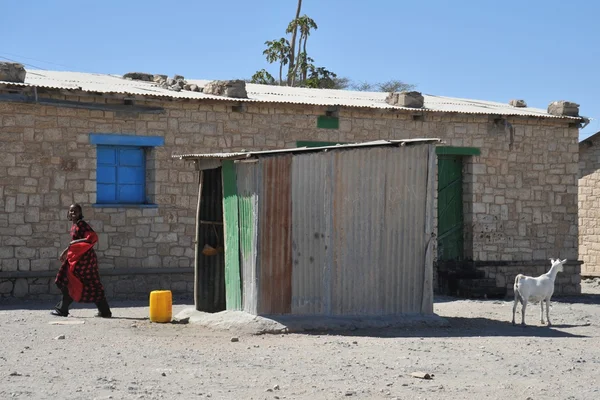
62 307
103 309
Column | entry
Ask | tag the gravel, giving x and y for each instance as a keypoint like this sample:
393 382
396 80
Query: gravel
481 355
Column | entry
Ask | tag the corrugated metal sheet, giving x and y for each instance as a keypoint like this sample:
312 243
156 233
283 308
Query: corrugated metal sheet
249 154
275 248
312 253
102 83
359 231
249 180
233 284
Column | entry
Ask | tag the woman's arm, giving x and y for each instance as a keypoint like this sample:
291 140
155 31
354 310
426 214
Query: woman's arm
78 241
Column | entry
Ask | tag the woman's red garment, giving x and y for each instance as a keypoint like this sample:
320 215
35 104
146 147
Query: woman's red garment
79 272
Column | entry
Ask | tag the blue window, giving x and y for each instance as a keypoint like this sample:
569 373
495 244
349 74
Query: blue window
121 168
121 175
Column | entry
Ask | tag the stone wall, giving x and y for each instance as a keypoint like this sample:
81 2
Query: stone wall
119 287
520 196
589 206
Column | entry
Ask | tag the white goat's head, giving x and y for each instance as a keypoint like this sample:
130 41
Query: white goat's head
558 263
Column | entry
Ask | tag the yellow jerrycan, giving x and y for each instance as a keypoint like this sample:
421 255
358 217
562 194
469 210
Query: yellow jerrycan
161 306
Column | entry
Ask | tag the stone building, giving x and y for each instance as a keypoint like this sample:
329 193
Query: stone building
507 181
589 205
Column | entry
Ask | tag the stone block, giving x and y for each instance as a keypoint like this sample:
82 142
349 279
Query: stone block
10 204
25 252
6 287
24 265
124 286
38 289
153 261
405 99
6 252
16 218
14 241
32 214
166 238
12 72
179 287
118 219
228 88
48 252
21 288
563 108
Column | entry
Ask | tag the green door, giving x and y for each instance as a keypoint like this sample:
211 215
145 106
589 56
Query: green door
450 208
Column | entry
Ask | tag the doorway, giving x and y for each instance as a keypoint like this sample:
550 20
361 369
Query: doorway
210 282
450 208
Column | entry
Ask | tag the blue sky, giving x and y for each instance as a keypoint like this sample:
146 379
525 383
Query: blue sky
536 50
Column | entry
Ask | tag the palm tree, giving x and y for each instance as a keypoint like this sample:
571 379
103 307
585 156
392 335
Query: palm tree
278 50
293 29
305 23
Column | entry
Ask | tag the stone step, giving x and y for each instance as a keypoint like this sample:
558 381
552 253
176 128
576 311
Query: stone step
477 283
480 288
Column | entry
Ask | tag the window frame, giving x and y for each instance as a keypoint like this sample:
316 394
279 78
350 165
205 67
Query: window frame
121 142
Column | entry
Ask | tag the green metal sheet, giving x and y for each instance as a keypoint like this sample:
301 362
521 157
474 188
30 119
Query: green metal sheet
450 208
457 151
325 122
248 184
233 286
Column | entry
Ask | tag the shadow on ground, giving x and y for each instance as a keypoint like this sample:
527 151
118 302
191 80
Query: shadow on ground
578 299
460 327
14 304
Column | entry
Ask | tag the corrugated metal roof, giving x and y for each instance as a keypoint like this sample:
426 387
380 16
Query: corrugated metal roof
248 154
104 83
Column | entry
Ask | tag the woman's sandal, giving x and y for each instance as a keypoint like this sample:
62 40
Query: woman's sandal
58 313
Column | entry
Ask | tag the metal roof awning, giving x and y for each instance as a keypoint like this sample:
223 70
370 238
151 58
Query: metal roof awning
249 154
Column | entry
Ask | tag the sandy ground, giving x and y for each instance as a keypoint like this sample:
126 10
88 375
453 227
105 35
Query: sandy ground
481 355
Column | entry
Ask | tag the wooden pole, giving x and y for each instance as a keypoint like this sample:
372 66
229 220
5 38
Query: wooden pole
197 282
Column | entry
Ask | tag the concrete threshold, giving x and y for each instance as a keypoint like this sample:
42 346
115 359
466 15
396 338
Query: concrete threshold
243 322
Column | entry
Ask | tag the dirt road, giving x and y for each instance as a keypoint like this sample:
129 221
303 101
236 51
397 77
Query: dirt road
481 355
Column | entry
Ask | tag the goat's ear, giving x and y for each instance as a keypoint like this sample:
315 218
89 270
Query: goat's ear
564 261
552 260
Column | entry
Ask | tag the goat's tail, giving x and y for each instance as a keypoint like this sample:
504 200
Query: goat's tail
518 278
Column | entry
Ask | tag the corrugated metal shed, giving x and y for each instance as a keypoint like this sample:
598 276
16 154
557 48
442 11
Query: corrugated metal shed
345 230
104 83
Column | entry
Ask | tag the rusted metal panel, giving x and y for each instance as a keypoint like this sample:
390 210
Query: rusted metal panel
248 187
275 247
311 234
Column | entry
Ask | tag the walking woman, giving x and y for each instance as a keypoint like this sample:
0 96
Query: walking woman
78 277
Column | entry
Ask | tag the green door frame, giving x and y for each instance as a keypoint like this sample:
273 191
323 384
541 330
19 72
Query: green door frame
450 201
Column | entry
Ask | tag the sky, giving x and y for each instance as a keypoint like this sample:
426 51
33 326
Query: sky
496 50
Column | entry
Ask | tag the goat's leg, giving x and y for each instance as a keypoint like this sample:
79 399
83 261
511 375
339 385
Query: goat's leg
542 311
523 312
515 305
548 312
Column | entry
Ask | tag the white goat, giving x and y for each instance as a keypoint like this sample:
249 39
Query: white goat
539 289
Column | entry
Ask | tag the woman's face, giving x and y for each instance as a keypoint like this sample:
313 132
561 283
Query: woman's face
74 213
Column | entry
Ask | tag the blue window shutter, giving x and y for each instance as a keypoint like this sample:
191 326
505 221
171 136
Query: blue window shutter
106 175
121 175
131 175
